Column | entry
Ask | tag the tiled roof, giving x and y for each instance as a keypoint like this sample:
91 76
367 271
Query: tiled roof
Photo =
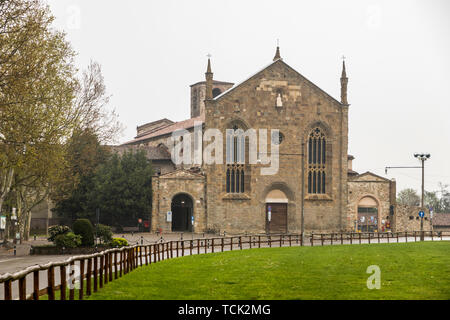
186 124
441 219
153 153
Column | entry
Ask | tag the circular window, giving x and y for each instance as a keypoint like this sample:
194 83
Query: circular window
277 140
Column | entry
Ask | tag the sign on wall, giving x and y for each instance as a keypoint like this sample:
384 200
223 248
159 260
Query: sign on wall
2 222
169 216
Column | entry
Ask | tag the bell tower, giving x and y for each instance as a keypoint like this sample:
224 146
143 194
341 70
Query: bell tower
206 90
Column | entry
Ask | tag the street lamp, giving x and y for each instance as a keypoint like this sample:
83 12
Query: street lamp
422 157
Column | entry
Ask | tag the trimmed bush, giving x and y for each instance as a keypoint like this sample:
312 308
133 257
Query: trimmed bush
84 228
54 231
68 240
104 233
119 242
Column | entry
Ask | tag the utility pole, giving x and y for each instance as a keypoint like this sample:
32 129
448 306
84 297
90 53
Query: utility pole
422 157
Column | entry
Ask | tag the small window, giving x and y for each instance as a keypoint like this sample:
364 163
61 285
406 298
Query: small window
216 92
411 218
279 140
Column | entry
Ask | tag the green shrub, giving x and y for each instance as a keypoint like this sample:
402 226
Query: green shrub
104 233
84 228
68 240
119 242
54 231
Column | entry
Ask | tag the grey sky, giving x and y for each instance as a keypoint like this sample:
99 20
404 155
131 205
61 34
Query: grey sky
398 64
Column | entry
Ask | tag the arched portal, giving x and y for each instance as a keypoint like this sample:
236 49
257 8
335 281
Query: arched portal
182 212
276 212
367 215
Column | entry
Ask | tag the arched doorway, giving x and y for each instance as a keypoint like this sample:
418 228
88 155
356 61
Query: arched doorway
276 212
367 215
182 212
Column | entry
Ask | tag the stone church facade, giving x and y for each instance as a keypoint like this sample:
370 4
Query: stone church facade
314 185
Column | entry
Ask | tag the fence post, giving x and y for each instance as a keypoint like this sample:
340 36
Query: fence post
36 285
88 277
212 245
290 240
240 242
359 238
378 237
116 267
415 240
312 239
406 236
321 238
432 236
177 248
342 238
96 273
72 284
124 261
182 248
369 237
80 292
231 244
171 249
222 244
146 255
106 267
191 242
23 288
51 283
332 236
136 256
397 237
8 290
259 241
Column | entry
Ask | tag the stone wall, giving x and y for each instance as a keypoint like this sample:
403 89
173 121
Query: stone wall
372 186
167 186
305 106
407 219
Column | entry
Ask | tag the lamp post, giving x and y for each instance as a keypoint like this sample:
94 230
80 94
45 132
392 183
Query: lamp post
13 222
422 157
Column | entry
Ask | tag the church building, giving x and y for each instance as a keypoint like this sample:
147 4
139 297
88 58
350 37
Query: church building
314 186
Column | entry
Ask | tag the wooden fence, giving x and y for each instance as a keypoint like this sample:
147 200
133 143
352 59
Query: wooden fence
98 269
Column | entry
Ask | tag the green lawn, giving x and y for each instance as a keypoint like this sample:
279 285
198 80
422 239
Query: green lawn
408 271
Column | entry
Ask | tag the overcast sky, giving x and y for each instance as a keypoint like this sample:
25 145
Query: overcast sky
398 64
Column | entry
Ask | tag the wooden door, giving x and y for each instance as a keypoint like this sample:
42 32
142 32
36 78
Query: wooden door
278 223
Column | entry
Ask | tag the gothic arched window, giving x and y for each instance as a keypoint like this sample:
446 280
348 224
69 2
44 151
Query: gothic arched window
317 162
235 155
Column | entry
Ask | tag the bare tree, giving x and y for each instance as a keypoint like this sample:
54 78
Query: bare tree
91 103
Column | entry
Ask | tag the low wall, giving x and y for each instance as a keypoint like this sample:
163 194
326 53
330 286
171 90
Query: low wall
54 250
